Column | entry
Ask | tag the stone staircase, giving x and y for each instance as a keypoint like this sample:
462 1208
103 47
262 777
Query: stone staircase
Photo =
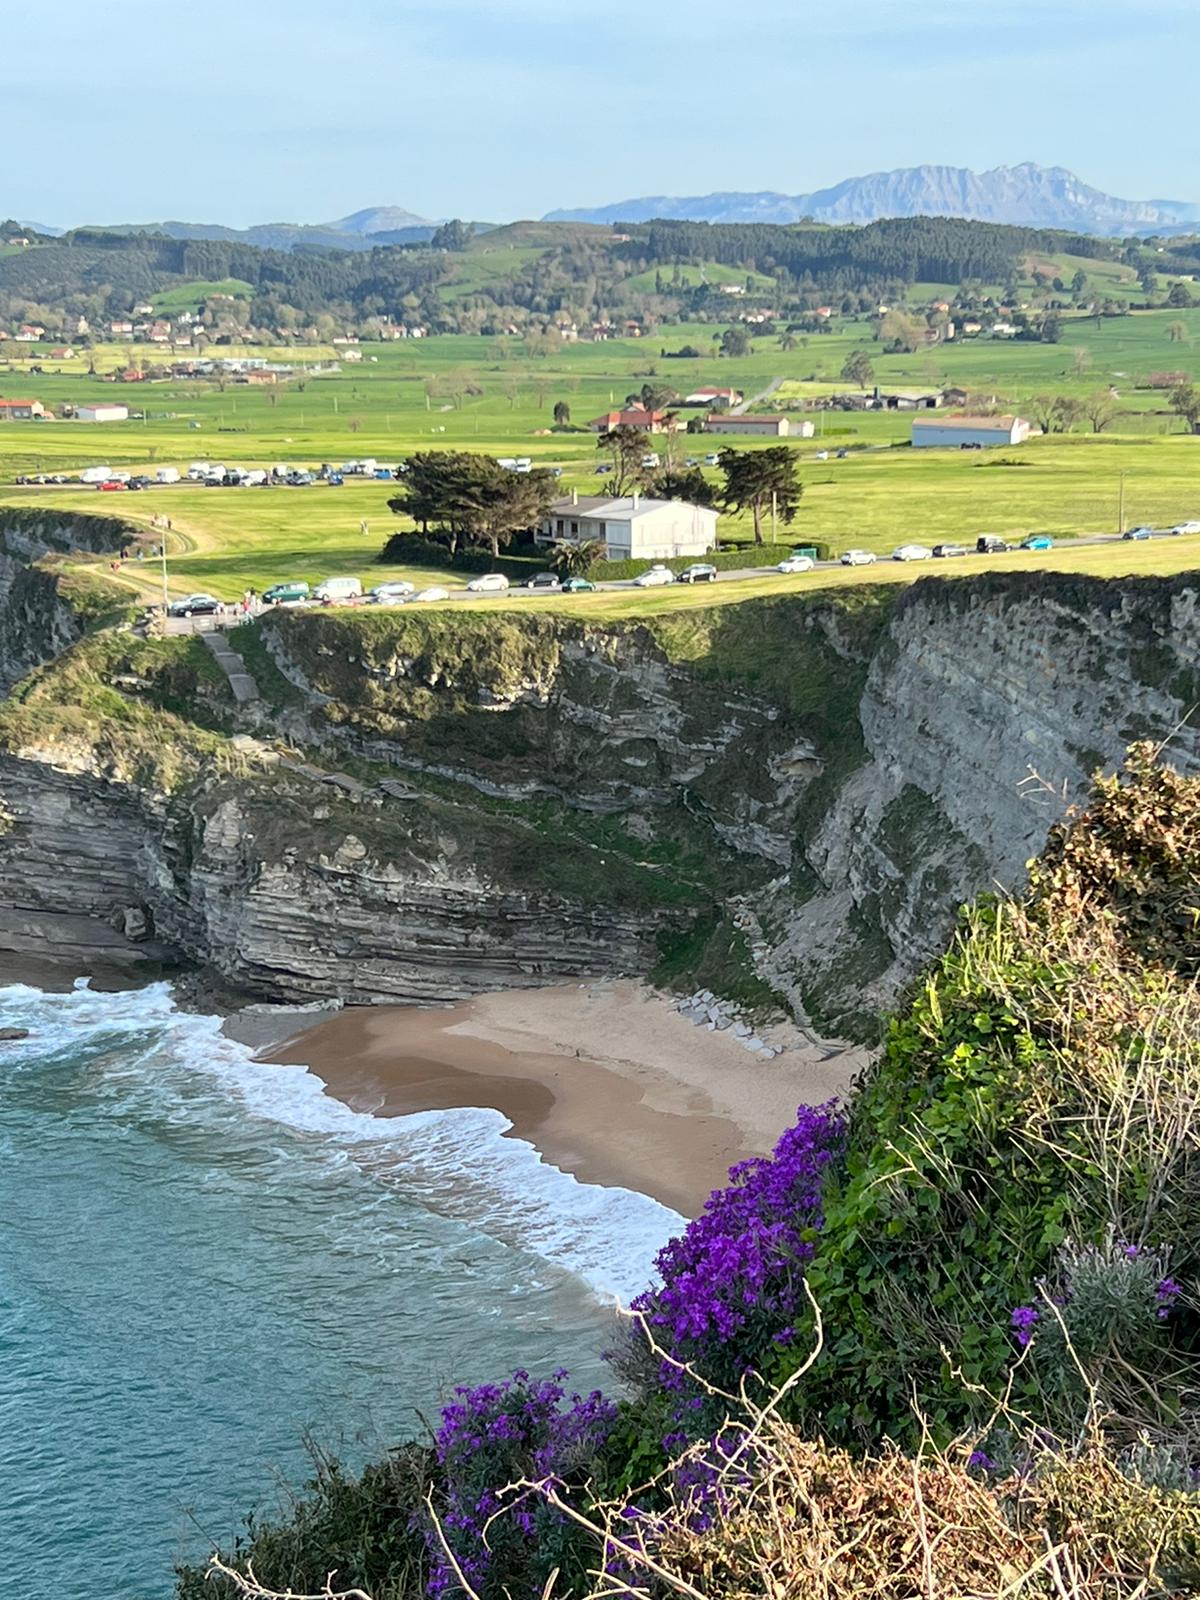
245 690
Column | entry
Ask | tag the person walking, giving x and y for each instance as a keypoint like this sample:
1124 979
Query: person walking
364 527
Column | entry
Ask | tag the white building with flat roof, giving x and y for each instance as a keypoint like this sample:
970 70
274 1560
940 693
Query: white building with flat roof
102 411
632 527
957 432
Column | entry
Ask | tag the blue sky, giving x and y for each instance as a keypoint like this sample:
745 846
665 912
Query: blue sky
244 111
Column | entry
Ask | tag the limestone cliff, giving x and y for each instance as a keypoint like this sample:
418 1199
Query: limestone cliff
805 785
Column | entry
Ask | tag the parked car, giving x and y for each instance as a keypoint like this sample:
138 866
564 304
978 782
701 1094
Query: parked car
543 580
338 589
196 605
577 586
911 552
111 486
391 594
796 564
488 583
945 551
435 592
857 558
335 480
653 576
286 594
1186 527
141 481
991 544
712 459
698 572
1037 541
1138 533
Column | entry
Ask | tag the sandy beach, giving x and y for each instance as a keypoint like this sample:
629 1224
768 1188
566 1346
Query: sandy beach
606 1079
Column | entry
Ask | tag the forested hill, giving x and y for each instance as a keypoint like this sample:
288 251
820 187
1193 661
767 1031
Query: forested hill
906 249
534 275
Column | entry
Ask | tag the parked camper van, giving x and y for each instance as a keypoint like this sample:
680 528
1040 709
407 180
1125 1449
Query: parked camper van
166 475
95 475
334 589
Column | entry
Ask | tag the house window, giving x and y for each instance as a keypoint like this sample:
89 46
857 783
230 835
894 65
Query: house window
574 527
602 530
559 525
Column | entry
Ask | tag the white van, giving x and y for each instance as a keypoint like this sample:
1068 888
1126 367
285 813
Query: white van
166 475
198 471
95 475
334 589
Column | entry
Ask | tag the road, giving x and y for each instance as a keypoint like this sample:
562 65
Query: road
184 625
763 394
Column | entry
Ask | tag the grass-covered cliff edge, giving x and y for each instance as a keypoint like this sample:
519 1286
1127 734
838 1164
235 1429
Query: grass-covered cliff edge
785 798
945 1342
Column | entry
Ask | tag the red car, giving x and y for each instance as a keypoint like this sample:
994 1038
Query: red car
110 484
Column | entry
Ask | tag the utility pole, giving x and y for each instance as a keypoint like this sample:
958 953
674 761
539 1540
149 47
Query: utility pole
162 550
773 500
1121 505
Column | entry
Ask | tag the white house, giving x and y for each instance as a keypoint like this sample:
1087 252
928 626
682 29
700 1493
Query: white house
102 411
632 528
955 432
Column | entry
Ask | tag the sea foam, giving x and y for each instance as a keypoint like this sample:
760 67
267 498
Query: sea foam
459 1163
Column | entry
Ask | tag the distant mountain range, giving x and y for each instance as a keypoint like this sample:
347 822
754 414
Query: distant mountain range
362 230
1043 197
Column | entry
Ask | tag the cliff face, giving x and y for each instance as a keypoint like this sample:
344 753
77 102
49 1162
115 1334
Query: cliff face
39 617
534 798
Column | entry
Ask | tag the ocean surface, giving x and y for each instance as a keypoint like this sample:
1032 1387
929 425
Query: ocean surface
204 1258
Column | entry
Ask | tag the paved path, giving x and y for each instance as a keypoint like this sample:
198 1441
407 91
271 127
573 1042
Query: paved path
763 394
231 664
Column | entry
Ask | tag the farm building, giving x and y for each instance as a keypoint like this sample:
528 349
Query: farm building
758 427
646 421
910 399
712 397
954 432
20 410
632 527
102 411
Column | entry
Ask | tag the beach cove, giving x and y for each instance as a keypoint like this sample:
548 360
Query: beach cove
606 1079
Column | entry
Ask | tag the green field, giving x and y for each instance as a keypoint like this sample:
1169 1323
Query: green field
189 296
496 395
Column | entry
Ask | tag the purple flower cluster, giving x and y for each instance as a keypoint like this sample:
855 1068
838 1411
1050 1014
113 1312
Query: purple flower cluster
1023 1320
493 1436
737 1270
1165 1296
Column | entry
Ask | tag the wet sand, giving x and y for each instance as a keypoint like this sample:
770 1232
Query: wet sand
607 1080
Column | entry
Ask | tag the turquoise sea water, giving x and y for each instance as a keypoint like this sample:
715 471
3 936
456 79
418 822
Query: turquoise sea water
203 1257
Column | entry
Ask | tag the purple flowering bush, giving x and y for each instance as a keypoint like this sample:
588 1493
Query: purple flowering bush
507 1540
732 1283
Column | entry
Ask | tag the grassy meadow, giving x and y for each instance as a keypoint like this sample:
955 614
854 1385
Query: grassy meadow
495 396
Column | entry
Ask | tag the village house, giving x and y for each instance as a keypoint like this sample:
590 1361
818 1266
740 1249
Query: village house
644 421
62 352
732 288
102 411
631 527
21 410
30 334
120 328
968 432
769 426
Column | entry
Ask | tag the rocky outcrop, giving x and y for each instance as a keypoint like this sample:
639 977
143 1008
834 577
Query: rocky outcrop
822 779
39 619
290 890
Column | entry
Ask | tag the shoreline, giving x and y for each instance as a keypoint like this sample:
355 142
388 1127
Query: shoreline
605 1079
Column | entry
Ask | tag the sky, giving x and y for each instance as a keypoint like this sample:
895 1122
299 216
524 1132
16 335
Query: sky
243 111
